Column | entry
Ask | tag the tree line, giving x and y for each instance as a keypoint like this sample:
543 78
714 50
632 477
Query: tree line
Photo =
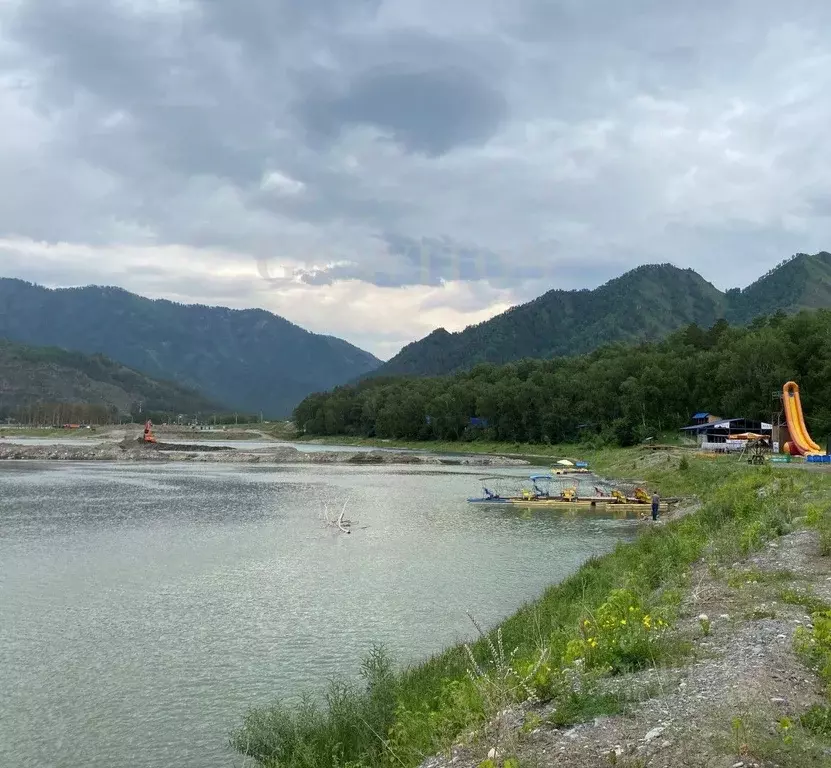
58 414
97 414
619 394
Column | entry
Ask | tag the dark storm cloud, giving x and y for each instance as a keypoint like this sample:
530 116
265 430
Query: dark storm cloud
431 111
173 83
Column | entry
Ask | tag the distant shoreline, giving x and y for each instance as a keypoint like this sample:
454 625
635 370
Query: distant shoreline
133 451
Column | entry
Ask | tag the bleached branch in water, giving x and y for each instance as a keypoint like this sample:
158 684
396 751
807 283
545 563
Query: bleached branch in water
339 523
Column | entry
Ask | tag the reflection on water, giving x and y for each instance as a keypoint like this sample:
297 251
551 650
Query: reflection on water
146 608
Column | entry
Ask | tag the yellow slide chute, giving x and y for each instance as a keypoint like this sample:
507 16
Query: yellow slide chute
800 439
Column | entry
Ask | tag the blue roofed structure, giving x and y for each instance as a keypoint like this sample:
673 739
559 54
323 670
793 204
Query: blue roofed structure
704 417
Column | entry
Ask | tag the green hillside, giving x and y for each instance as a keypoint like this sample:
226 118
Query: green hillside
250 360
801 282
616 394
645 304
35 376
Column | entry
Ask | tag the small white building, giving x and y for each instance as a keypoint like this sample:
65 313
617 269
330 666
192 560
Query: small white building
727 435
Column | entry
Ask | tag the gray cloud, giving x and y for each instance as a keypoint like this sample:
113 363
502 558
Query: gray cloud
405 144
431 111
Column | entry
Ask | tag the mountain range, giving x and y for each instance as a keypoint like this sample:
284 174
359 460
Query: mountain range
250 360
254 361
644 304
47 375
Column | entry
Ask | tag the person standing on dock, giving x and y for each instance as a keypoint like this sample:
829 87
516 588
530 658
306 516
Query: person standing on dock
656 503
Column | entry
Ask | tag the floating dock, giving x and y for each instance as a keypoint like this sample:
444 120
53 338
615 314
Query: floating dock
578 505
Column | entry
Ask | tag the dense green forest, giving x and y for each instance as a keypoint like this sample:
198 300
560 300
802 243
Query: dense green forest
645 304
47 385
618 394
251 360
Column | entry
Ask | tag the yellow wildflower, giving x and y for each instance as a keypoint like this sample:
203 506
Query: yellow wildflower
623 621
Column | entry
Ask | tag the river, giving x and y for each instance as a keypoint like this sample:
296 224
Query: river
145 608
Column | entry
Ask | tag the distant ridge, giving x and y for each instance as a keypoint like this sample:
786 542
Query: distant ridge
800 282
644 304
251 360
31 376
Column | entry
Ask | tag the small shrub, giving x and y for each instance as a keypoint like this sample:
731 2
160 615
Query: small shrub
818 515
343 729
809 601
817 720
757 614
814 514
623 635
417 733
815 644
580 708
752 536
501 682
740 740
532 722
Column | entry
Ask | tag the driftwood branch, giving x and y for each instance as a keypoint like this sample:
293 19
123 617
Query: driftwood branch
340 523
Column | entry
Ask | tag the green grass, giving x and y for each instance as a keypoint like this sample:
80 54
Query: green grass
573 634
285 431
737 579
809 601
818 720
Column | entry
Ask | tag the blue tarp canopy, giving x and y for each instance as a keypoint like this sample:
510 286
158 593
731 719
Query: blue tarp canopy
700 415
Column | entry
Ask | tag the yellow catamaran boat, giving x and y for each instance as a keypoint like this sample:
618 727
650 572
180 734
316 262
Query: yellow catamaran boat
567 495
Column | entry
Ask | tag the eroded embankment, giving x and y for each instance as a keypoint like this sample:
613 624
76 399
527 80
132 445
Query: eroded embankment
699 644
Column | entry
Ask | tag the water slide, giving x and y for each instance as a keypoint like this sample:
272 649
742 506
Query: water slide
800 442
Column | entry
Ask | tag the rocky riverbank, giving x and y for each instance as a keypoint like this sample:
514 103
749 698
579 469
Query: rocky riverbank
132 451
735 703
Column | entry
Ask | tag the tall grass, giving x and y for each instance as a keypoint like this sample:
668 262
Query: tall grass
397 717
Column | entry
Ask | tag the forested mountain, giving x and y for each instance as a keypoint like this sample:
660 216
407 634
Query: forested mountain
801 282
36 379
251 360
619 393
645 304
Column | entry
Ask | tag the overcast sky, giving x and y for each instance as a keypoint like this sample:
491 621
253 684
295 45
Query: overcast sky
378 168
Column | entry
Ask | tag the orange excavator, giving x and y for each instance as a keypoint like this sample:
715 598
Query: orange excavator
148 432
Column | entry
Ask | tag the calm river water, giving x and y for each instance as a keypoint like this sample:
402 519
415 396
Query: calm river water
144 609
